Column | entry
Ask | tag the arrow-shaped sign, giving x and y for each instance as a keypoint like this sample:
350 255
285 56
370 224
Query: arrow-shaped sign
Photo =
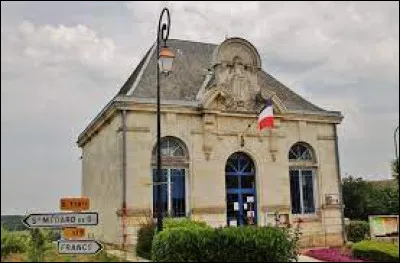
61 219
79 246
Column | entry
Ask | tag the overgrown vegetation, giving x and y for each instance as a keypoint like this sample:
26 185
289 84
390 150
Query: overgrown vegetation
357 231
376 251
36 245
13 242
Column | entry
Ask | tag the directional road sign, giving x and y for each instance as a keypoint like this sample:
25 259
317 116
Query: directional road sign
62 219
74 204
74 232
79 246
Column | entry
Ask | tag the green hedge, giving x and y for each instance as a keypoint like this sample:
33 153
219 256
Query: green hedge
147 231
243 244
357 231
170 223
376 251
144 240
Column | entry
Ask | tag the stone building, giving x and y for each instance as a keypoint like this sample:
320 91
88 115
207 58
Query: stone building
217 167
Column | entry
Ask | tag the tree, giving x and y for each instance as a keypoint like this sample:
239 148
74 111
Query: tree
362 198
355 198
37 246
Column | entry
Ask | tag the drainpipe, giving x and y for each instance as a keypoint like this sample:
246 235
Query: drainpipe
123 215
339 182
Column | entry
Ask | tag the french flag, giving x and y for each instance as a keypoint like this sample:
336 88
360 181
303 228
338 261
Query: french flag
266 116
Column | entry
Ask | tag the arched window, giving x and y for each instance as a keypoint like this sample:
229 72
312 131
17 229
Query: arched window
301 152
302 174
175 159
241 203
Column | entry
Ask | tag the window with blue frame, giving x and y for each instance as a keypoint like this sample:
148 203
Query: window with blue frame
302 179
241 200
173 183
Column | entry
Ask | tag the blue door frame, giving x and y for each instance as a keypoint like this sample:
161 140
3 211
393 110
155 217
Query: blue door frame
240 183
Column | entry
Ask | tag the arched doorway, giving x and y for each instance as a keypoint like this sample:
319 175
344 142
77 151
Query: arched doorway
175 163
240 186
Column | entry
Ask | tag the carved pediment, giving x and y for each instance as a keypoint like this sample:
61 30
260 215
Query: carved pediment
235 84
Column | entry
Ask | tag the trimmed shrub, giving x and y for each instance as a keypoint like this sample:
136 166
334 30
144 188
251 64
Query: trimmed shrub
170 223
376 251
357 231
243 244
145 239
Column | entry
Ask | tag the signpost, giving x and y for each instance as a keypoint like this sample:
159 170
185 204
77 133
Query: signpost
75 204
74 232
79 247
61 219
70 222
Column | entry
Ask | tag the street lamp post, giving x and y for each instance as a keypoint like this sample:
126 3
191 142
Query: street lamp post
165 57
395 145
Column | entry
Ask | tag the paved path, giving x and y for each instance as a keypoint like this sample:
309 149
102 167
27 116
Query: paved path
303 258
130 256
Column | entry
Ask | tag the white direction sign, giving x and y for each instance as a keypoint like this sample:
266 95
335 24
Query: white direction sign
62 219
79 247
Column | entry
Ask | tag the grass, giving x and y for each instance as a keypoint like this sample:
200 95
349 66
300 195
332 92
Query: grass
376 251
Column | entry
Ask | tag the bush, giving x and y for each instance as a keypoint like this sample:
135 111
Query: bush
13 242
248 244
37 245
357 231
148 230
376 251
170 223
144 240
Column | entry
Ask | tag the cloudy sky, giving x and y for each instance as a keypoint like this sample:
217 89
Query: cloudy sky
61 62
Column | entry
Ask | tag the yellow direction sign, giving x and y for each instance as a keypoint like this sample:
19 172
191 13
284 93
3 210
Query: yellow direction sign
74 232
74 204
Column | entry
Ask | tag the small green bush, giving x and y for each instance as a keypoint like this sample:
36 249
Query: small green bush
37 245
357 231
376 251
144 240
148 230
13 242
170 223
243 244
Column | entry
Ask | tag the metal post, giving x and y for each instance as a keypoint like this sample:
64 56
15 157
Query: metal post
395 145
397 160
162 28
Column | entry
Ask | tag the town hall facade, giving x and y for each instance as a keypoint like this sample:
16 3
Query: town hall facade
217 166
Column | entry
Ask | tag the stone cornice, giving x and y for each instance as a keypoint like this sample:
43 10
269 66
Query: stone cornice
191 108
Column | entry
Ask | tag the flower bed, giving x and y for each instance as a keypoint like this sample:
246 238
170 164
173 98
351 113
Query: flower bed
331 255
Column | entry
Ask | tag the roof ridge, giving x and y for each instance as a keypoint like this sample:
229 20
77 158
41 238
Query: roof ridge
192 41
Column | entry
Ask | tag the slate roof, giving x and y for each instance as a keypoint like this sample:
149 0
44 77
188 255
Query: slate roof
191 65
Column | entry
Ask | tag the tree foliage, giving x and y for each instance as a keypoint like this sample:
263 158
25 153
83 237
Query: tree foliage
362 198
